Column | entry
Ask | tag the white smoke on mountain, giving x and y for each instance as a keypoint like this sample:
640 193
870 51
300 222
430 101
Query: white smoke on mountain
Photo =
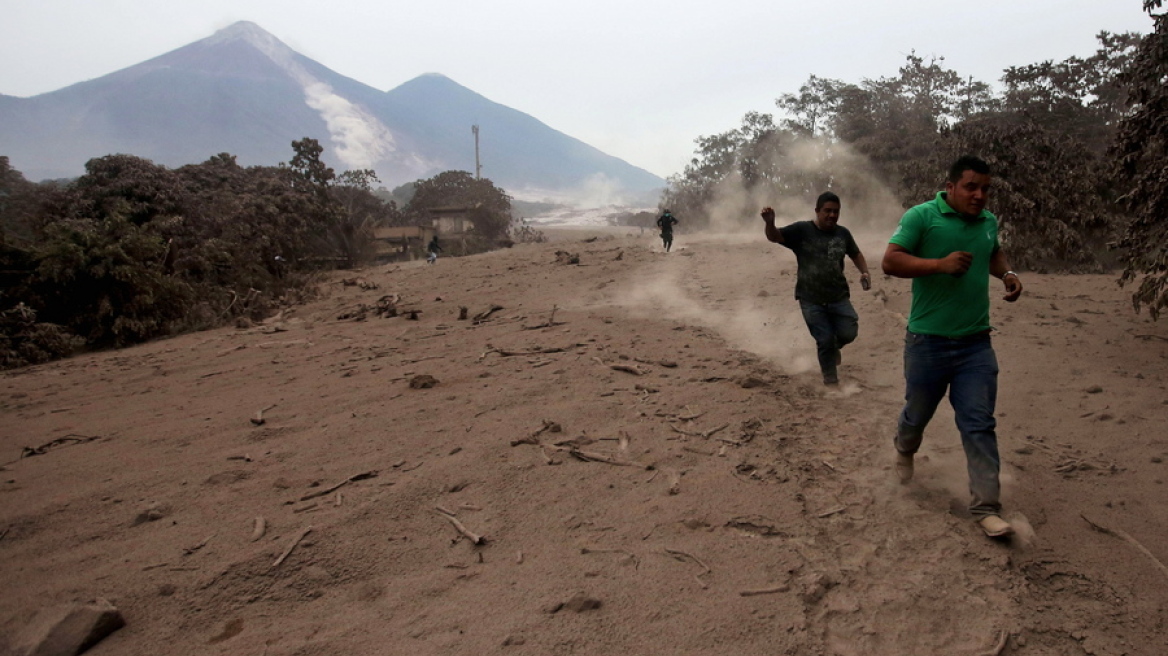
359 139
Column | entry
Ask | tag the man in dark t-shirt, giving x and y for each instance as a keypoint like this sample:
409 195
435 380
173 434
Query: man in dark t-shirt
820 287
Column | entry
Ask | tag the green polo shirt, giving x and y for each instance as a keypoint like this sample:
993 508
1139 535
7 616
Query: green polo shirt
943 304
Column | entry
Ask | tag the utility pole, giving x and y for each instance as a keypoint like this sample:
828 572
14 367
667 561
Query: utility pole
478 167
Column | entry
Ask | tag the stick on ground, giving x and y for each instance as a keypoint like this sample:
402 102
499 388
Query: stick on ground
763 591
1123 535
467 533
328 490
291 546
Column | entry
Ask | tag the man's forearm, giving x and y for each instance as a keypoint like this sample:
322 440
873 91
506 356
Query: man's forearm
772 233
861 263
999 265
903 264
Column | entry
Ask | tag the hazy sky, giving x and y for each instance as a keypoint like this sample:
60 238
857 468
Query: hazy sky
638 79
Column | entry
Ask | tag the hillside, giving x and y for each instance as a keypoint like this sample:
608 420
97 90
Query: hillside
750 511
245 92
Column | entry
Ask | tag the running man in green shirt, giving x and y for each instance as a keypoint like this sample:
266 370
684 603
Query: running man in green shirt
949 247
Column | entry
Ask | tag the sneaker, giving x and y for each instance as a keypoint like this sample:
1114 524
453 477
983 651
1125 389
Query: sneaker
995 527
904 467
831 381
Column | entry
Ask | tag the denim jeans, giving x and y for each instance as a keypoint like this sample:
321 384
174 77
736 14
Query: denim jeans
968 369
833 326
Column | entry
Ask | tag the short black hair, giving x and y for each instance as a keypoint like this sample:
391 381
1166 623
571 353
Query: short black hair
968 163
826 197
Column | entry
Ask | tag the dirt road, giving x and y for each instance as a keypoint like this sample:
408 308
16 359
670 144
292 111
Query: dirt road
643 443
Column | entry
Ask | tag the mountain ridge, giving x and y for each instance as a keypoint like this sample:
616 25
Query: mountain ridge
243 91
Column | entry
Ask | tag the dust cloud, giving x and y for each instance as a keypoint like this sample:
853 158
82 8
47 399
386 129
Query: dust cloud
771 325
869 208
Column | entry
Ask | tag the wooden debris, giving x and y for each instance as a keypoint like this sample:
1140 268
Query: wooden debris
829 513
632 556
231 350
717 429
291 545
259 527
763 591
548 426
591 456
486 314
536 351
311 506
1123 535
355 477
628 369
190 550
551 322
467 533
702 434
68 440
674 482
705 568
258 419
547 457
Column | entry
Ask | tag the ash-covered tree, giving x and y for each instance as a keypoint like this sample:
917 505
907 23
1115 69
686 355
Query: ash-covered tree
101 253
19 199
490 206
343 208
1079 96
1141 153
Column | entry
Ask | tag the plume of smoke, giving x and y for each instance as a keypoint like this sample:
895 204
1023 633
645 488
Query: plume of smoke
359 139
803 169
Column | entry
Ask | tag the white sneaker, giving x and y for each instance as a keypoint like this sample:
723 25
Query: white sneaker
995 527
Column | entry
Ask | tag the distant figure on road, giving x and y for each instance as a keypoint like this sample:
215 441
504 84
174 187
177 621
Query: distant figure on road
820 286
666 223
949 246
432 250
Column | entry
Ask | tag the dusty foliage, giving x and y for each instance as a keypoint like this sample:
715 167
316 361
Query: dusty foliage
1142 162
24 341
132 250
1046 137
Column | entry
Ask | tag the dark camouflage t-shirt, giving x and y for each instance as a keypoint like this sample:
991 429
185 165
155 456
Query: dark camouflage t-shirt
821 260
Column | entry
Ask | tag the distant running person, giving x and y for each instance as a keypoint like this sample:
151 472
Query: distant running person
666 223
433 248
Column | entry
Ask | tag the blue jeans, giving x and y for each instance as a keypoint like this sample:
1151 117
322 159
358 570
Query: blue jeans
968 369
833 326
